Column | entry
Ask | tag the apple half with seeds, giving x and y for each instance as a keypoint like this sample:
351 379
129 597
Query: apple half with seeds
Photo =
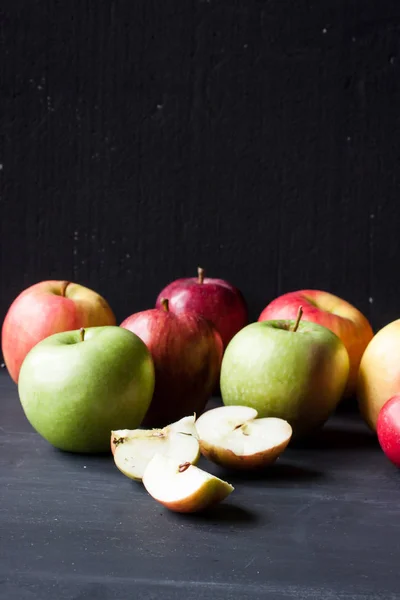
233 437
133 449
183 487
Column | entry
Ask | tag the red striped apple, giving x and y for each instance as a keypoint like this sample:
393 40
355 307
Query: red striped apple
323 308
379 374
44 309
187 354
388 429
215 299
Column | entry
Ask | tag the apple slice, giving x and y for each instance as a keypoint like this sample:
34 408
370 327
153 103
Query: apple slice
233 437
133 449
185 425
182 487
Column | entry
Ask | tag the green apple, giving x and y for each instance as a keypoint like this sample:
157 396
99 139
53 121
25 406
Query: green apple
288 369
76 386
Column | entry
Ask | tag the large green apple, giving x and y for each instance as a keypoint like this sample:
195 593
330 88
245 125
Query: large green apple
77 386
295 371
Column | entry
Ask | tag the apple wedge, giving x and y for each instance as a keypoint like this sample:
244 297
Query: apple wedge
133 449
233 437
183 487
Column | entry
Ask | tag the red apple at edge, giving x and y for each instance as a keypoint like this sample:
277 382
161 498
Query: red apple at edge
45 308
388 429
326 309
215 299
187 354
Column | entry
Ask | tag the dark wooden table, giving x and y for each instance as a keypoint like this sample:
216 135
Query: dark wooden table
323 523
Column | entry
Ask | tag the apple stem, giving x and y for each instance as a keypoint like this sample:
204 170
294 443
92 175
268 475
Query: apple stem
200 275
64 288
165 304
298 318
82 334
184 466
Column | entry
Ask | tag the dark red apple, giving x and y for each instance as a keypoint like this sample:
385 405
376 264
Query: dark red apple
388 429
215 299
187 354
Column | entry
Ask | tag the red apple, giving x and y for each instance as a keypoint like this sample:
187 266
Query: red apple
346 321
46 308
215 299
388 429
187 353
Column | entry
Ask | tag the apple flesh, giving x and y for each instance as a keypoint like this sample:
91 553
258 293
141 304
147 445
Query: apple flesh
326 309
379 374
182 487
186 426
187 353
296 371
44 309
215 299
233 437
133 450
388 429
77 386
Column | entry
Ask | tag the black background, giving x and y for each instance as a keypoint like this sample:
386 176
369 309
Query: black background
260 139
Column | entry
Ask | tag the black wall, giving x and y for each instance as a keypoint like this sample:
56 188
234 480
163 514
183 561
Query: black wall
259 139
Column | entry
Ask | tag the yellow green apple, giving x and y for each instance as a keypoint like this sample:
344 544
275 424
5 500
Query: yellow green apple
76 387
326 309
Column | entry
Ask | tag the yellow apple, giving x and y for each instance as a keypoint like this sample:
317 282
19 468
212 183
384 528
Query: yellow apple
379 374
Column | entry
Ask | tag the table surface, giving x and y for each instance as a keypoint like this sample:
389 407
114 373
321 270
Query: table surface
323 522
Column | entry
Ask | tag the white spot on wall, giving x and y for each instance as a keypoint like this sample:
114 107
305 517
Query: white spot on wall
370 300
50 106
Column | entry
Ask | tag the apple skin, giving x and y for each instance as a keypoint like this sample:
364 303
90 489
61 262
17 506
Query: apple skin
215 299
44 309
332 312
388 429
228 459
379 373
75 392
166 480
187 353
296 376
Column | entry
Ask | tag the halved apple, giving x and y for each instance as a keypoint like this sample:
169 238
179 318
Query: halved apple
233 437
133 449
183 487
